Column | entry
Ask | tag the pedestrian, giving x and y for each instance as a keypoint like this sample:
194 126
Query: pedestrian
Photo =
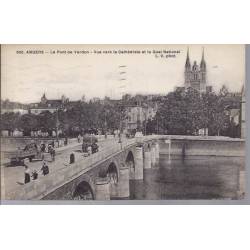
49 148
57 143
71 158
45 169
26 174
42 147
34 175
66 141
52 153
89 149
79 138
53 144
42 156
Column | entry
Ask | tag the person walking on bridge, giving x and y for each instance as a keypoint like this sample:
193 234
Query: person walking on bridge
89 149
26 174
52 152
42 147
45 169
79 138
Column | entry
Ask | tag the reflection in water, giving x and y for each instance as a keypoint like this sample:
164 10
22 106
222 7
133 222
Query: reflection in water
192 178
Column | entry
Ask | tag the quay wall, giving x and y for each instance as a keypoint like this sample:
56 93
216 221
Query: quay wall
203 147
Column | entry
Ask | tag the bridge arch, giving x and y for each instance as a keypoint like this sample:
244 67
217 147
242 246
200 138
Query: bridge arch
113 173
130 162
110 169
84 189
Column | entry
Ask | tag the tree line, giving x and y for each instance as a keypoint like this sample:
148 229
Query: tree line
81 117
179 112
186 112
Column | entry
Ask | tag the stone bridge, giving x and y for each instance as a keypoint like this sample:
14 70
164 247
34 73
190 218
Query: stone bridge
105 175
101 176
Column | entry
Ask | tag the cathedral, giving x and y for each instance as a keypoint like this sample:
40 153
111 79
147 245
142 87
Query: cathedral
196 75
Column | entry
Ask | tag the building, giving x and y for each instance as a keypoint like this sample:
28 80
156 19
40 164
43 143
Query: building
13 107
137 113
17 110
48 105
196 75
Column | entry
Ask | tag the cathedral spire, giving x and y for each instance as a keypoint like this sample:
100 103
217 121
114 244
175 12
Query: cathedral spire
187 65
203 63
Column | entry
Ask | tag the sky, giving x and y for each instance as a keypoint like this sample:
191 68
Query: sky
83 70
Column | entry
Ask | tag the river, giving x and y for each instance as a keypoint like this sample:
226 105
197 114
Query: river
193 178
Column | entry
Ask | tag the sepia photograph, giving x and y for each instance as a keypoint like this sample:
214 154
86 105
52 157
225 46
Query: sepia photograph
122 122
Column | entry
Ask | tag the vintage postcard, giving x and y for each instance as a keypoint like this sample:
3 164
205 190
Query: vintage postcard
122 122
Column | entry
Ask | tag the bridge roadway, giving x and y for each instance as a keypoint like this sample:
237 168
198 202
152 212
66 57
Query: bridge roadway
14 176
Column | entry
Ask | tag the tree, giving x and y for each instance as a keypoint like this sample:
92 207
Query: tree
194 108
47 121
126 97
150 126
180 113
111 116
27 123
215 119
9 121
187 112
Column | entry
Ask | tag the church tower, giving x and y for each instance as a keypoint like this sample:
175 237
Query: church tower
43 99
195 75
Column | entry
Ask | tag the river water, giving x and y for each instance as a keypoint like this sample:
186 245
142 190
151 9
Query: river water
192 178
